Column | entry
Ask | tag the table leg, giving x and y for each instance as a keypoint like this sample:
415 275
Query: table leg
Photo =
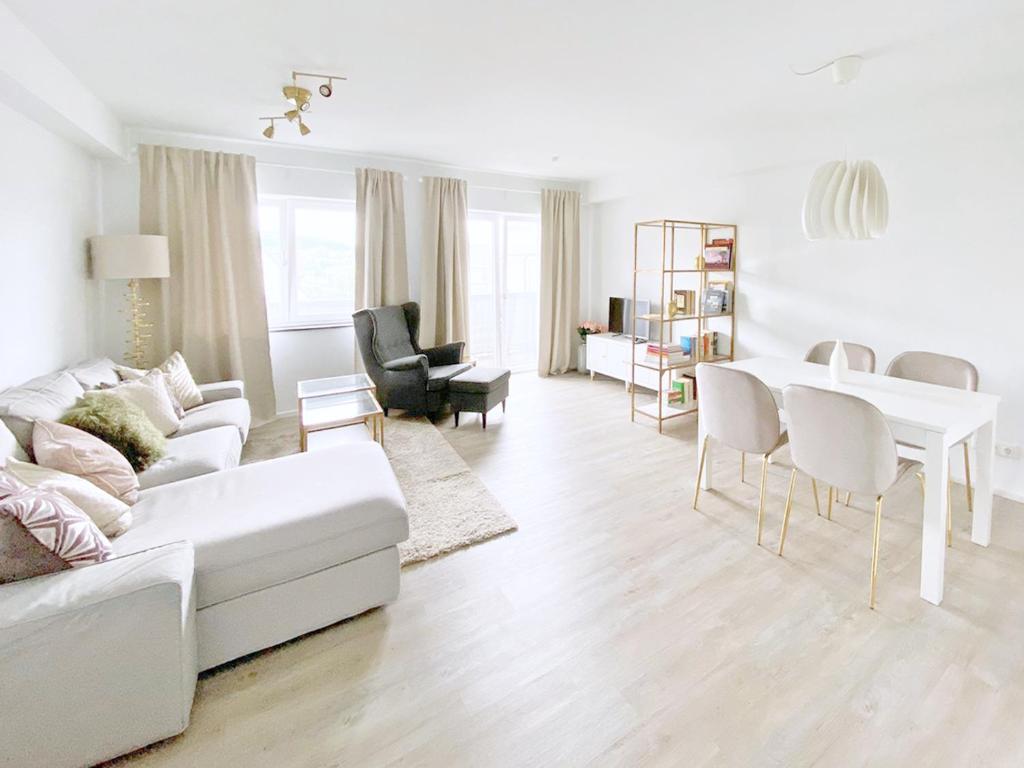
933 529
382 431
705 478
984 452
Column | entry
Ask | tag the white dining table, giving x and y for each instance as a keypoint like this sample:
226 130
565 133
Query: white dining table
928 415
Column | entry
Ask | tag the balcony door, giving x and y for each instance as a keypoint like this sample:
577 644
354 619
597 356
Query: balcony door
504 279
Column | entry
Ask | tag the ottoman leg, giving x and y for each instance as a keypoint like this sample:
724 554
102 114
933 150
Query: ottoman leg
456 419
483 418
502 406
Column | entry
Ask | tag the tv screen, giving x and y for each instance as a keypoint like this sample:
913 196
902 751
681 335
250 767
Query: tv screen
620 316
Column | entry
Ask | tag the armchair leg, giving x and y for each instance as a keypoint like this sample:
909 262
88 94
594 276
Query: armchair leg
483 420
385 411
456 419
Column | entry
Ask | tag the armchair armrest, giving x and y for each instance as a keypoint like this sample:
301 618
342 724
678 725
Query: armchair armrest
409 363
445 354
222 390
107 653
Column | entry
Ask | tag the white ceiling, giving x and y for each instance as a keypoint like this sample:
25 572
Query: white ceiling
606 85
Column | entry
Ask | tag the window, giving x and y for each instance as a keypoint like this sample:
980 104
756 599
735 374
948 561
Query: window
308 261
504 285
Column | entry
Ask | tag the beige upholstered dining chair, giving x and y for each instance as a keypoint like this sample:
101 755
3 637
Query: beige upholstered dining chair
846 442
859 357
946 371
737 409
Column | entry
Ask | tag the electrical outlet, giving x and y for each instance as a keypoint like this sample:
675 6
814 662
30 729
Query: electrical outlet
1008 451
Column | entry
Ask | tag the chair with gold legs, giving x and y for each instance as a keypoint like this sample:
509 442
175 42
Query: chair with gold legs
738 410
847 443
946 371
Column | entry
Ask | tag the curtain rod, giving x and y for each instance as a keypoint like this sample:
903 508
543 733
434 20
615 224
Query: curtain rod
404 178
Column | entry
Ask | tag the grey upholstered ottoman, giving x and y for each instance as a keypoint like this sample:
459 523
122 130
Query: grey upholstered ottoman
478 390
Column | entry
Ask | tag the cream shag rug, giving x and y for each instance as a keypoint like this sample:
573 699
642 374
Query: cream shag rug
449 508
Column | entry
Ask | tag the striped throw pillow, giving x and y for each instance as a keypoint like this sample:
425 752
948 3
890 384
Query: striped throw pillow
181 382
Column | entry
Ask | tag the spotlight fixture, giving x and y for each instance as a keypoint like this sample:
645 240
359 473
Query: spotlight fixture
303 128
298 96
291 114
269 130
326 89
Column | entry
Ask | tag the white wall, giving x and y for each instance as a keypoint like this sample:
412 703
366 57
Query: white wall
48 207
945 278
290 170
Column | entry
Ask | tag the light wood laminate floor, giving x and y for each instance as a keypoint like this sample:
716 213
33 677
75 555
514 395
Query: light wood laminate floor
619 627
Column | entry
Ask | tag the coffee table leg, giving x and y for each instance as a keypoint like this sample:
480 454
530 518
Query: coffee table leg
381 418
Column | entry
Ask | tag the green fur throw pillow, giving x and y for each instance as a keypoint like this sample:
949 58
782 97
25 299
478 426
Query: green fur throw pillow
120 424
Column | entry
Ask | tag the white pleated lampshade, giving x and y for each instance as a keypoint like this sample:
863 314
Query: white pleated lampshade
846 201
123 257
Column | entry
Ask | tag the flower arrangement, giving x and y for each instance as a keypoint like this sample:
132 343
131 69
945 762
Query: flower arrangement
586 328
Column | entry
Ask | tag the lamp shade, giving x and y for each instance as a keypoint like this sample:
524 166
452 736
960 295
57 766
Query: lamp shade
126 257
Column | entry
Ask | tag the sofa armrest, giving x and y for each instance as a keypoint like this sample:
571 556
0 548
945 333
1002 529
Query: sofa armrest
222 390
410 363
97 661
446 354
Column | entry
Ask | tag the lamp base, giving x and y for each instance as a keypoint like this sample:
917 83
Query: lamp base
136 352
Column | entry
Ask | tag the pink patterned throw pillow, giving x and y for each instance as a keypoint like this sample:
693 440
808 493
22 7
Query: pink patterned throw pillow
41 532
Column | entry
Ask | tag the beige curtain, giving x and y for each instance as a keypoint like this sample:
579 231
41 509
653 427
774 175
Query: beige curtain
559 279
444 294
382 272
212 308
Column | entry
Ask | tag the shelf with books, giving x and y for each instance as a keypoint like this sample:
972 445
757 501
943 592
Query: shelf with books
696 285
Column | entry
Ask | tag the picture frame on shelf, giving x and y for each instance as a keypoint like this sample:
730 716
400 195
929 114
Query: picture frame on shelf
718 254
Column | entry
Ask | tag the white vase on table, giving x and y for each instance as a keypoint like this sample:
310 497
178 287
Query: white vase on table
838 364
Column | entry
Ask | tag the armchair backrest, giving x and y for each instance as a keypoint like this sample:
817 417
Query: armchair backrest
387 333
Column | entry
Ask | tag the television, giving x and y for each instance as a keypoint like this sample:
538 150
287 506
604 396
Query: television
620 317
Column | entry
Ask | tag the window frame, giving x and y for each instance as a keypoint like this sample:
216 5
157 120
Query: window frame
287 204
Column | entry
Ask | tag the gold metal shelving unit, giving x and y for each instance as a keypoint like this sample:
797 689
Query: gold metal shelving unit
682 246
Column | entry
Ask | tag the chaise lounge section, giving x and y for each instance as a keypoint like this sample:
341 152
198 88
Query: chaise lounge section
220 561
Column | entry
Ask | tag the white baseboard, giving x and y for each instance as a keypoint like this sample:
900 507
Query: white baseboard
292 412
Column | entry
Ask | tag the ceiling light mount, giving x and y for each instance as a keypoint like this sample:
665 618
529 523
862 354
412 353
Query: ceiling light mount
844 69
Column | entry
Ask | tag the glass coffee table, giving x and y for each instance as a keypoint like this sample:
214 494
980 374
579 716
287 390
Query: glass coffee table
339 401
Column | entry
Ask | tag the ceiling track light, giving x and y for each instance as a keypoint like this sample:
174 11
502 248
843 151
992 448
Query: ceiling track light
300 99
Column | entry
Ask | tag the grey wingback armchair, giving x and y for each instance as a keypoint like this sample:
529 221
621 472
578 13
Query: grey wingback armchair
406 376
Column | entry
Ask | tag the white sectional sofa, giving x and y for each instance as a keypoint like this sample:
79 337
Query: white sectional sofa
219 562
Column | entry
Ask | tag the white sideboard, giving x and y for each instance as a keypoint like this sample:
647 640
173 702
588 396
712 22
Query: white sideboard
611 355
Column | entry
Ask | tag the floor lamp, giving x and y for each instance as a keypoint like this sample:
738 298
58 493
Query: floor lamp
131 258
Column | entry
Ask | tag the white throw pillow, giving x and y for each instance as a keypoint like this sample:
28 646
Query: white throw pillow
151 395
181 382
111 515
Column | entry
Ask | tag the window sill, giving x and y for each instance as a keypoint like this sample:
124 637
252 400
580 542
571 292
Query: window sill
310 326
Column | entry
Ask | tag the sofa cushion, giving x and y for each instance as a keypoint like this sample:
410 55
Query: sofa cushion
152 395
121 424
438 376
111 515
56 526
78 453
268 523
179 377
391 334
192 455
46 397
220 413
96 373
